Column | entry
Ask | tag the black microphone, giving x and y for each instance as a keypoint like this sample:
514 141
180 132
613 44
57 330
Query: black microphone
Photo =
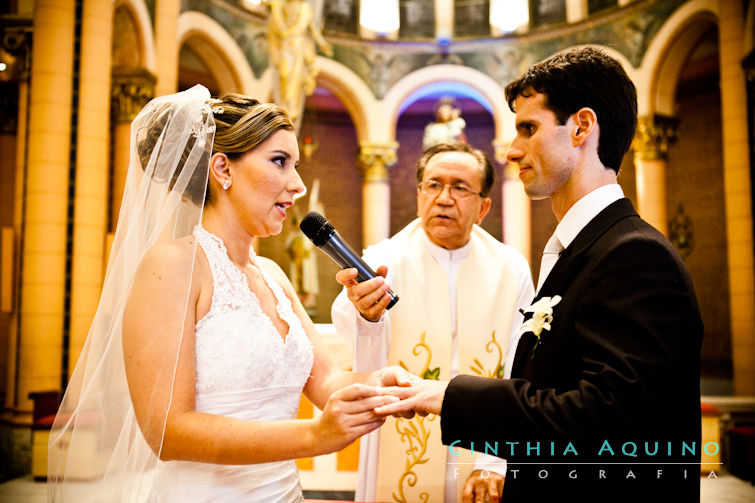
325 237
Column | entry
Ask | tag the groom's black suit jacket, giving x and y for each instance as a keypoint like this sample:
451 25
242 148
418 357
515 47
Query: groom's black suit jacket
620 363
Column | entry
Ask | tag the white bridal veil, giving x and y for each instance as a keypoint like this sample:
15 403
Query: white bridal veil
96 449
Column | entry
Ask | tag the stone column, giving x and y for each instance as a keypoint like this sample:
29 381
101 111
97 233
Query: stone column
375 160
43 285
17 41
654 135
131 89
166 45
738 195
515 207
92 171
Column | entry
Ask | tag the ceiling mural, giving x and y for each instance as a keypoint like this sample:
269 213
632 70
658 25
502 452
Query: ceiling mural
249 30
381 63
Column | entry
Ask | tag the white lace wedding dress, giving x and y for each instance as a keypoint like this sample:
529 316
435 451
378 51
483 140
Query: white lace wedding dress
245 370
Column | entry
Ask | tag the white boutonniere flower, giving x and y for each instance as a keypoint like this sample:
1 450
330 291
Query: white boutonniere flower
542 317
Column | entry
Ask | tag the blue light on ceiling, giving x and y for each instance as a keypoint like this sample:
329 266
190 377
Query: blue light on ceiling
438 90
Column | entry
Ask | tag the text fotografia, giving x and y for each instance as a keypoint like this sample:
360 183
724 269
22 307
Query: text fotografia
598 474
567 450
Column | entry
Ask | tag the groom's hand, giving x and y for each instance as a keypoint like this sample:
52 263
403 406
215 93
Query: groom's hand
423 397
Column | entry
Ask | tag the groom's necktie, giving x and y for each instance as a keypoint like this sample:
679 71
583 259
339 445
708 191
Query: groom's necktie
550 255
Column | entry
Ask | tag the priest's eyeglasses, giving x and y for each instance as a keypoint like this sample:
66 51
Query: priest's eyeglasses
433 188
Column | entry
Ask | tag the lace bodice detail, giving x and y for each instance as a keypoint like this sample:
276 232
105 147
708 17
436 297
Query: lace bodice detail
237 346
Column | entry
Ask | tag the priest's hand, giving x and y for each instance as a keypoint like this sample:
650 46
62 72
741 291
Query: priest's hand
423 397
482 486
369 297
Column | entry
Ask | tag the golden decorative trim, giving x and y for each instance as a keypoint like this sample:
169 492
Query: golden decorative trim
414 431
681 232
426 373
16 39
131 89
497 372
655 133
376 159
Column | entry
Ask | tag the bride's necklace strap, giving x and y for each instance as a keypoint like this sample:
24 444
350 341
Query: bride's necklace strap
203 234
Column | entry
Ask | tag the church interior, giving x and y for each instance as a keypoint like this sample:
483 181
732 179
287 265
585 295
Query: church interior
363 80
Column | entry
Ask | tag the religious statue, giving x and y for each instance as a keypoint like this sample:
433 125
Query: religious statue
448 126
293 34
303 267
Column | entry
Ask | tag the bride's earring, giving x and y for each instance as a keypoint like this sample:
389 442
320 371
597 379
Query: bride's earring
227 183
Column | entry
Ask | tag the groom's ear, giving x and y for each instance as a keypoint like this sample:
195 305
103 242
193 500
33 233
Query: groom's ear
585 122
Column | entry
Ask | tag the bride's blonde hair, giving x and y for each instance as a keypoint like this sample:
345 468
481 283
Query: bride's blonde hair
241 124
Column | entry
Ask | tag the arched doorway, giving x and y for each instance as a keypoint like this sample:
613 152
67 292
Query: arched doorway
695 200
415 113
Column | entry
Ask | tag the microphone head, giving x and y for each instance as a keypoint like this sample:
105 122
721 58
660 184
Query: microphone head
316 228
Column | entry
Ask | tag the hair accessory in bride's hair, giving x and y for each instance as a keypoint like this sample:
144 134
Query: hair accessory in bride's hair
164 161
214 106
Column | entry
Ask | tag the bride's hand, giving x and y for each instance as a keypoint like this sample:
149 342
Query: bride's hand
348 415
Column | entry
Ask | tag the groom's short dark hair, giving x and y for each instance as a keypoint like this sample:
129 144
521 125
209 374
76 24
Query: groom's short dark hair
585 77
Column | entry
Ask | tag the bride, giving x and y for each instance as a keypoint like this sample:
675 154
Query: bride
188 386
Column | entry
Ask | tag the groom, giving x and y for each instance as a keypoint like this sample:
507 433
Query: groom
604 400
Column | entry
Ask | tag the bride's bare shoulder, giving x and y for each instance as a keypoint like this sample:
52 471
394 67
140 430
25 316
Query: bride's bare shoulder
176 256
180 250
